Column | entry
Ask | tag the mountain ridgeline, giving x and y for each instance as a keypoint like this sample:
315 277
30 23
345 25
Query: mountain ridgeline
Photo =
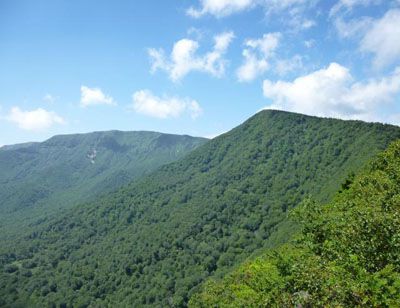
153 242
38 178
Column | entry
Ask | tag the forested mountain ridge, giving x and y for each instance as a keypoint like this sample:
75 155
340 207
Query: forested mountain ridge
155 241
38 178
347 256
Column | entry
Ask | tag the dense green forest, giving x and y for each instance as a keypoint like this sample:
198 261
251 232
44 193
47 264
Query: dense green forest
348 254
153 242
41 178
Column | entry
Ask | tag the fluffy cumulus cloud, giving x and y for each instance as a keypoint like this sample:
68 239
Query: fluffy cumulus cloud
383 39
35 120
332 92
379 37
256 55
95 96
144 102
184 58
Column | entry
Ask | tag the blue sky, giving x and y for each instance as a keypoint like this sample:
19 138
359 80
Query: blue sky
197 67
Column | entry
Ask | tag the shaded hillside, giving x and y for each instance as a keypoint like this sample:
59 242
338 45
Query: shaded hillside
154 241
348 255
38 178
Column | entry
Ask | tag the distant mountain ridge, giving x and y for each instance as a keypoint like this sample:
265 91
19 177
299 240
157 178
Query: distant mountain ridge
16 146
69 169
153 242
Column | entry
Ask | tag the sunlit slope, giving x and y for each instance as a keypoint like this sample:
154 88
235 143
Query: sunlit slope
348 254
155 241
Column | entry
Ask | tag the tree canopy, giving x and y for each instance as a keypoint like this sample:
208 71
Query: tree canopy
154 242
348 254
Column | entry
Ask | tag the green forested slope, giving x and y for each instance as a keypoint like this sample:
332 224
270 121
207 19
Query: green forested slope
154 241
38 178
348 254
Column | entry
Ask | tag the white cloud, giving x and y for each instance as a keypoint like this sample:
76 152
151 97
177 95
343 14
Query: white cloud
183 58
95 96
266 45
285 66
348 5
220 8
256 56
292 13
223 8
196 33
35 120
308 23
293 6
352 28
332 92
379 37
146 103
383 39
260 55
252 67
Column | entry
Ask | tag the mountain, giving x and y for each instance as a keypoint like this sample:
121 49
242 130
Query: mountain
348 254
153 242
41 178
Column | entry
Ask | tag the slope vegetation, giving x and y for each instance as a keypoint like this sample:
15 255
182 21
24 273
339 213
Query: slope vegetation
155 241
348 255
38 178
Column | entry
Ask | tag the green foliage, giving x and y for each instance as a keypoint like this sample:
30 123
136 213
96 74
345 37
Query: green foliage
153 242
38 179
348 254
